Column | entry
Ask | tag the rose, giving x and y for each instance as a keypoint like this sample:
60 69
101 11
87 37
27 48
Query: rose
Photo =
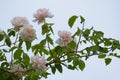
27 33
65 38
19 22
39 62
41 14
17 70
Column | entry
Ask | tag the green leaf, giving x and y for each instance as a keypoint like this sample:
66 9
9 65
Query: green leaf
51 30
82 19
2 56
116 55
107 42
14 47
77 32
1 37
4 64
44 28
26 59
86 33
18 54
8 41
45 51
59 67
43 42
108 61
20 43
53 69
49 39
75 61
59 49
11 33
81 65
72 45
34 47
72 20
101 56
71 67
28 45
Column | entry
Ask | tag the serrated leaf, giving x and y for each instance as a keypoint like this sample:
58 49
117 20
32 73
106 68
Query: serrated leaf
81 65
101 56
72 20
108 61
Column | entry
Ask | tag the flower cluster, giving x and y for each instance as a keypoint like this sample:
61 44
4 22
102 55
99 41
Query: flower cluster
19 22
27 33
65 38
17 70
39 63
41 14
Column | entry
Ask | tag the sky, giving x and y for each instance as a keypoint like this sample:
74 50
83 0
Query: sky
104 15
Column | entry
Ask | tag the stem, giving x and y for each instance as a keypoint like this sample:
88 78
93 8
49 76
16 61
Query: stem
12 51
80 37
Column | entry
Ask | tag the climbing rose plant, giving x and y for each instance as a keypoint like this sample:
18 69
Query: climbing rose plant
66 51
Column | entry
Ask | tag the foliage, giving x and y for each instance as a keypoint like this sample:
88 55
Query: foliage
69 56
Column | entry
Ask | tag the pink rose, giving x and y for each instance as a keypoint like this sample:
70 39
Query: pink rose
41 14
39 62
19 22
17 70
27 33
65 38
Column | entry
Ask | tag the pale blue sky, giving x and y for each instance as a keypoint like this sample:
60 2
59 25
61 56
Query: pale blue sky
102 14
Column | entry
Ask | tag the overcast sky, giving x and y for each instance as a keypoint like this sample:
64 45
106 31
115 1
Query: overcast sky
104 15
